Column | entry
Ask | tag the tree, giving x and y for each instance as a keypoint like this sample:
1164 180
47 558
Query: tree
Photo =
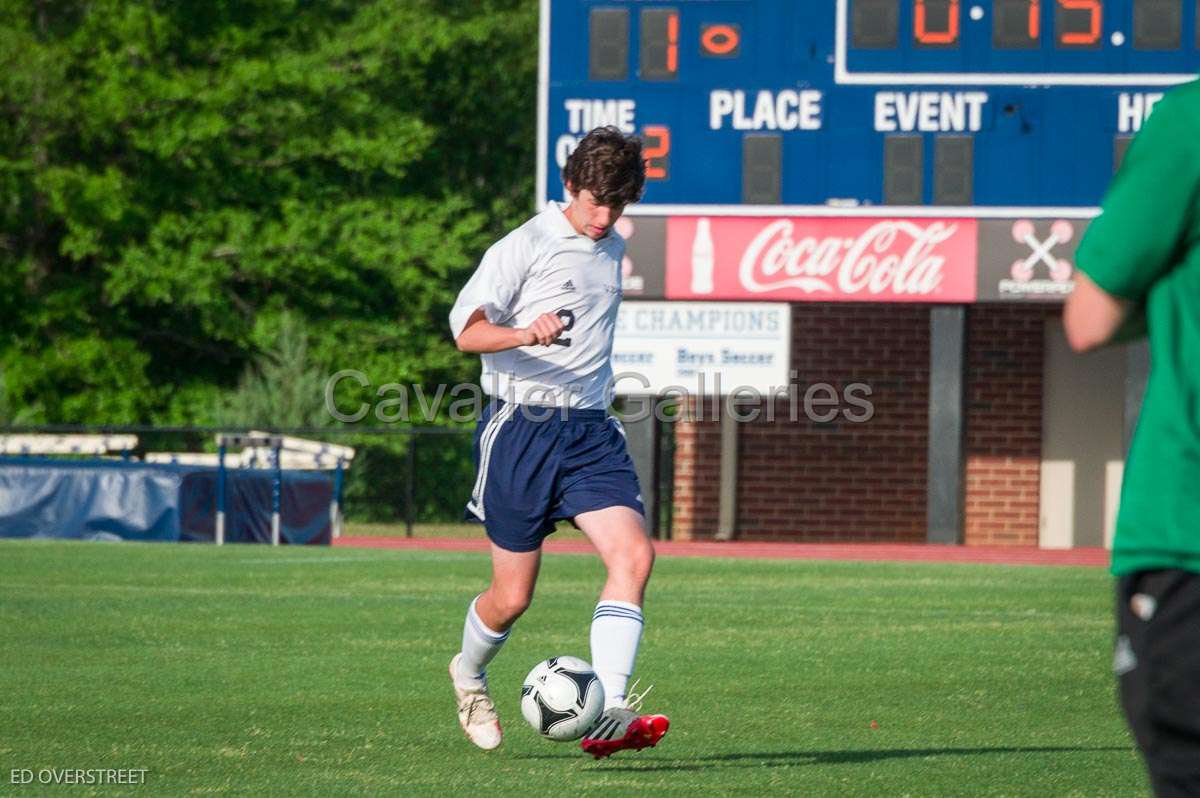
180 179
282 388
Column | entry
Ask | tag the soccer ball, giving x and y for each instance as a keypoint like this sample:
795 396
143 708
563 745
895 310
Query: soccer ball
562 698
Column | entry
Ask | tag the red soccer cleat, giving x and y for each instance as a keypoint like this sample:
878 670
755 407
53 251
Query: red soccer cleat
621 729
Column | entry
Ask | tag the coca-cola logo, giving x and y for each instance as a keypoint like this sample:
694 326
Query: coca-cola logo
892 257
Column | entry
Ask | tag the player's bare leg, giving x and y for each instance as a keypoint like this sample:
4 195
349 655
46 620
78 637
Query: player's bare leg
514 576
619 535
489 618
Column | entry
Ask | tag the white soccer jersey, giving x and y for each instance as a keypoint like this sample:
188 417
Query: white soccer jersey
544 266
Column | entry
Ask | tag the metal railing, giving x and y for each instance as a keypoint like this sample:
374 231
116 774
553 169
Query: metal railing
399 475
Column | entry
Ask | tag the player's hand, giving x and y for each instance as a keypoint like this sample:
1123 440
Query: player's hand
544 330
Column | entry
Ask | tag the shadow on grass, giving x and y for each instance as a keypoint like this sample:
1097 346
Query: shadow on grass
794 758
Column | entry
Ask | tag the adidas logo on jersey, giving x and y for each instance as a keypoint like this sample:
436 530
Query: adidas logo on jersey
568 286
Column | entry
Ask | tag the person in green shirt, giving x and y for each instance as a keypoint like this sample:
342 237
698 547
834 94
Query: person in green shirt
1140 276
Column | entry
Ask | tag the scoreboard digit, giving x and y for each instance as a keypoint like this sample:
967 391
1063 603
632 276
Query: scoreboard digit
936 23
876 24
660 44
1016 24
608 47
1077 23
657 148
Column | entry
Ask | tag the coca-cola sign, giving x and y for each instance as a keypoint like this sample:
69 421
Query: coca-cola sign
817 259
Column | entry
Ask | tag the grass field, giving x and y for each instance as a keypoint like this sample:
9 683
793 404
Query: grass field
310 671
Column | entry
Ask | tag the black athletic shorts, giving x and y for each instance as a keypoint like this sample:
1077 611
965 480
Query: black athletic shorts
1157 662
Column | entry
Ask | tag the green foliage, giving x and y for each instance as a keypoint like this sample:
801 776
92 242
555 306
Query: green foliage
282 389
180 182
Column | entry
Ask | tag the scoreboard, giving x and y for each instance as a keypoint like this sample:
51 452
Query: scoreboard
997 108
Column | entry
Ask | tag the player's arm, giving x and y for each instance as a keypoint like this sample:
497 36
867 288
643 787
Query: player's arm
480 336
1139 236
1094 318
480 315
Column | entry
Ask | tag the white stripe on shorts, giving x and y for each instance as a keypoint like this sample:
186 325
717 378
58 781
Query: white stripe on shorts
620 427
486 440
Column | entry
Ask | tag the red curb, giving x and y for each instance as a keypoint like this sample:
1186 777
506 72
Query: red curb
848 552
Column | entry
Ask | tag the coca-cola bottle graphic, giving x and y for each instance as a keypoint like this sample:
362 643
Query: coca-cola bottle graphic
703 258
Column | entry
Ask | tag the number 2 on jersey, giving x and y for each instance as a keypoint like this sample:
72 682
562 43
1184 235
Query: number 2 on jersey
568 320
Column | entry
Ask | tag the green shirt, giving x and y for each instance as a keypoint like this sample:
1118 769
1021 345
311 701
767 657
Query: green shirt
1145 247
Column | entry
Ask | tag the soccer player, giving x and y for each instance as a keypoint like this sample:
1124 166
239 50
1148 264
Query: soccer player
1141 275
541 309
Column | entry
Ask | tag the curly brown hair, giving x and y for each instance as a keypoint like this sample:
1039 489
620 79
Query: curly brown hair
609 164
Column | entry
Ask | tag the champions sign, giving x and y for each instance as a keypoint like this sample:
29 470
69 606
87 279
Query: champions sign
705 348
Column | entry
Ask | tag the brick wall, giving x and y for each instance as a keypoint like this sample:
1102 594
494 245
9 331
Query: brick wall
837 480
697 473
841 481
1004 423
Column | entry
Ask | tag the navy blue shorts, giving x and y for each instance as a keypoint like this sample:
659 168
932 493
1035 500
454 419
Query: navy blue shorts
534 467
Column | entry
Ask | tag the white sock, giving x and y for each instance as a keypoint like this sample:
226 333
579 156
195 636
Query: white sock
616 632
480 645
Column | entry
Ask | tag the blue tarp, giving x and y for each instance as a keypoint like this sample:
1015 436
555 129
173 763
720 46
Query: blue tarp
142 501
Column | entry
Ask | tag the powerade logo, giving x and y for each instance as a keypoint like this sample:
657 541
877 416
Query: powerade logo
1040 272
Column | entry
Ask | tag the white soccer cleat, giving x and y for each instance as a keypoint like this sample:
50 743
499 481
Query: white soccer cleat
476 712
624 729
